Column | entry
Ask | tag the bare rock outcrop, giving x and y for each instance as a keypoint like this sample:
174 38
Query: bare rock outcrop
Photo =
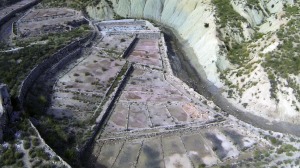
5 108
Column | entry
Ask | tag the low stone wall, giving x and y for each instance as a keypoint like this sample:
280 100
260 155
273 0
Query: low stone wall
12 13
123 23
153 35
61 64
140 34
48 63
104 116
130 48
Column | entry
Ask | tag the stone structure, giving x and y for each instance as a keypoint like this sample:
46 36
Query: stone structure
46 64
5 108
139 28
149 35
9 12
124 22
105 113
130 48
38 22
143 34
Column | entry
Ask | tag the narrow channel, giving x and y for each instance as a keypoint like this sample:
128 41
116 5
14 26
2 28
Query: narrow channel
184 70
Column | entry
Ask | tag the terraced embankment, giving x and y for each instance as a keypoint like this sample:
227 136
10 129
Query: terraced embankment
121 104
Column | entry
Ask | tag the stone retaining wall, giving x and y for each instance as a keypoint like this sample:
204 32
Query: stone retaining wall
48 63
12 13
61 64
105 113
153 35
140 34
130 48
123 23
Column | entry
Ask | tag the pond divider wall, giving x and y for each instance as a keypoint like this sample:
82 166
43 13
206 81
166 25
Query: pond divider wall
148 34
130 48
126 22
105 113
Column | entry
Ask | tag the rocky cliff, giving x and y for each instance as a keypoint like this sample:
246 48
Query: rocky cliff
5 108
231 43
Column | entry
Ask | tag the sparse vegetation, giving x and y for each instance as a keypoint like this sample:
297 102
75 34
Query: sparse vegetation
286 148
226 14
27 144
285 60
66 135
78 4
273 140
291 10
12 155
18 64
238 54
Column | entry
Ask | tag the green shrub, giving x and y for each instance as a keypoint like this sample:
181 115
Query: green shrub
19 155
70 154
20 163
227 14
40 152
32 152
291 10
32 55
26 144
36 142
10 156
286 148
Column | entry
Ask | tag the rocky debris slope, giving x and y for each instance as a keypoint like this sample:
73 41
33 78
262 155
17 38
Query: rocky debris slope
232 44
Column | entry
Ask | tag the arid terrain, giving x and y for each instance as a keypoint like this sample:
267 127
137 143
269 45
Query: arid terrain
82 92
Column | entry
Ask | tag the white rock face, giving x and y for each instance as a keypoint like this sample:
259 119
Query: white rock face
137 8
105 14
253 16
